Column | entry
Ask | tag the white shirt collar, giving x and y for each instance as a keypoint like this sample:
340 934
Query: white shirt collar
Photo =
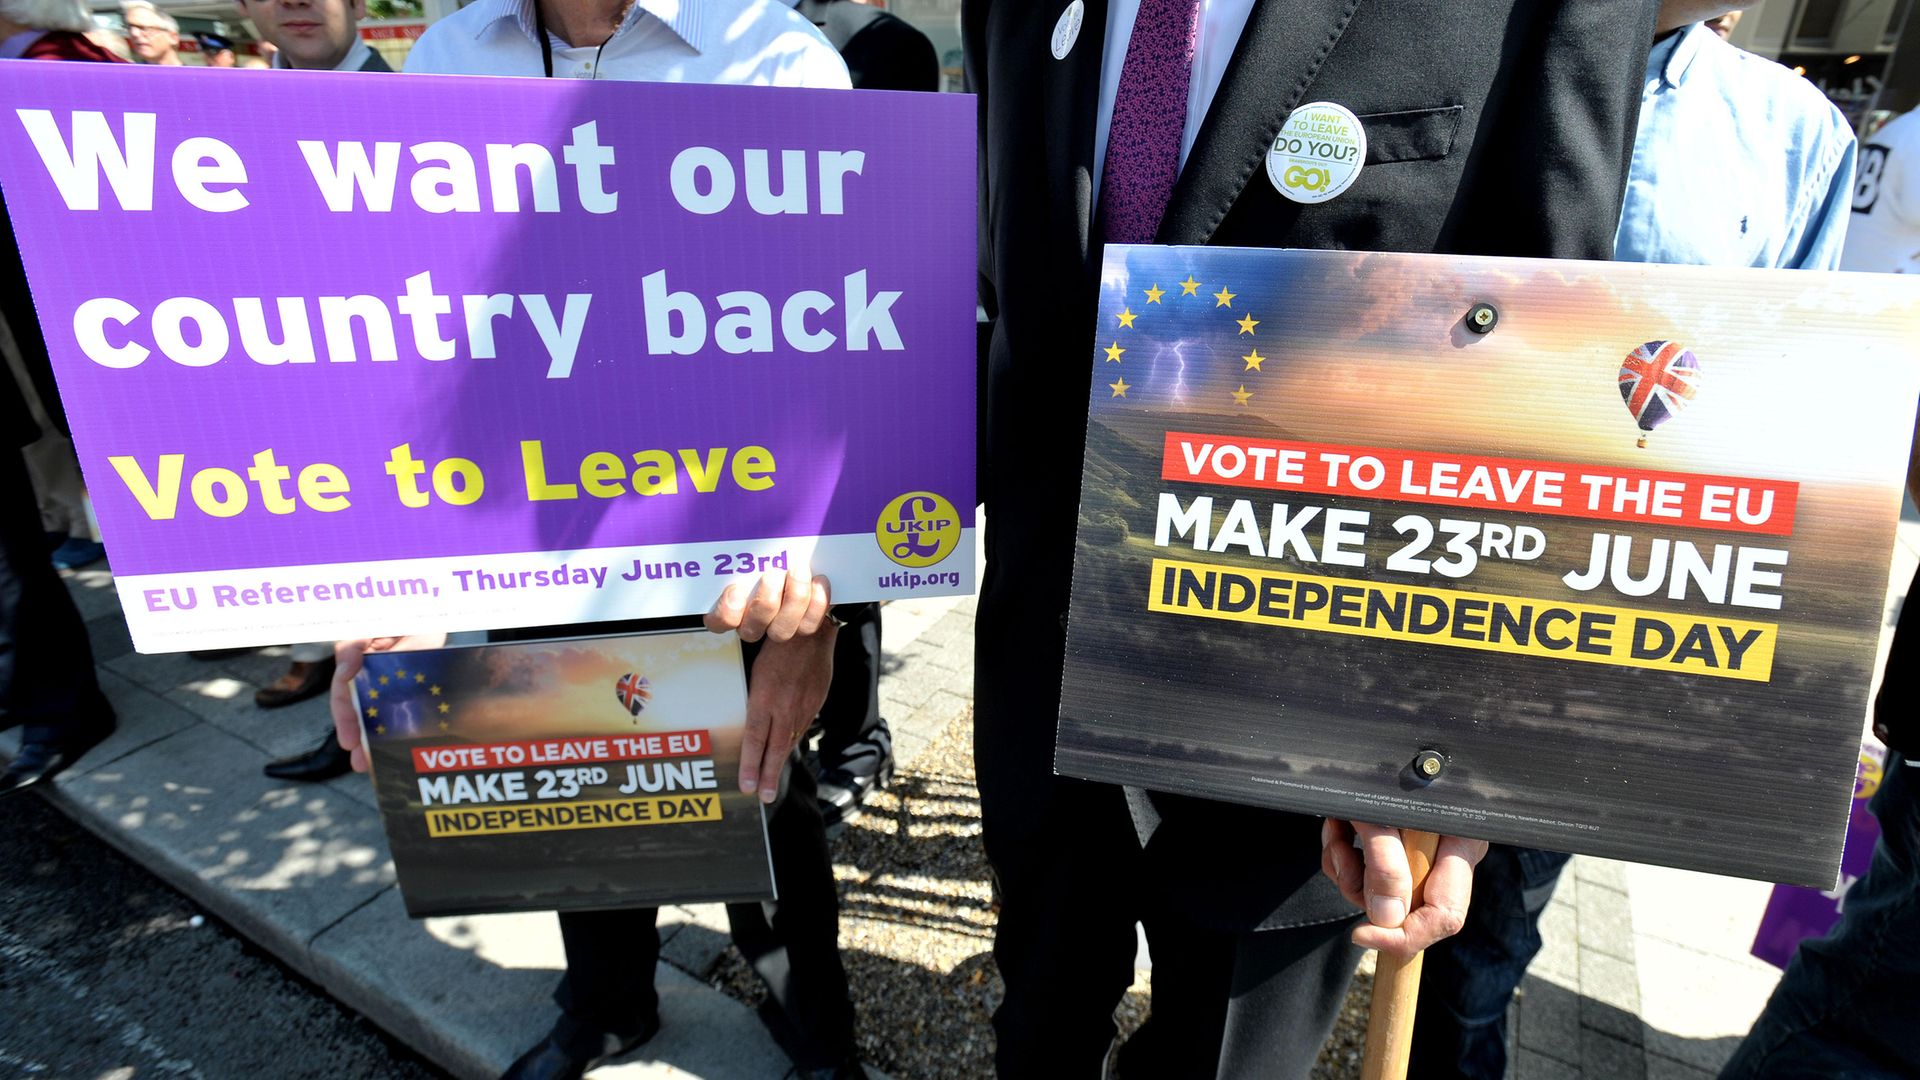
1681 53
357 55
683 17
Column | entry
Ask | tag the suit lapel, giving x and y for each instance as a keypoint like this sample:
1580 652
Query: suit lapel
1278 55
1072 99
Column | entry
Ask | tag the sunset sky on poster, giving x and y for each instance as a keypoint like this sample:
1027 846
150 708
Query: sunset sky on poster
555 688
1357 356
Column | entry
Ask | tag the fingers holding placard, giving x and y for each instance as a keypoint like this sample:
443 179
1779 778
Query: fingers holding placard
778 606
785 689
788 611
348 657
1378 874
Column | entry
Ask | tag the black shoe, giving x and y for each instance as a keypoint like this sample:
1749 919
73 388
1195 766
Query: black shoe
323 762
847 780
42 760
850 1069
74 553
557 1057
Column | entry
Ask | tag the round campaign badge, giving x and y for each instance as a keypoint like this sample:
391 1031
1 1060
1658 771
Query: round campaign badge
1067 30
1318 153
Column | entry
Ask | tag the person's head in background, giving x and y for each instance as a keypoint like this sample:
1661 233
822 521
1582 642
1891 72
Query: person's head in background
311 35
153 34
1724 24
20 16
1675 14
217 50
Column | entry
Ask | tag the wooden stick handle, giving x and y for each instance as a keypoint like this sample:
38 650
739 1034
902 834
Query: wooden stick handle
1396 982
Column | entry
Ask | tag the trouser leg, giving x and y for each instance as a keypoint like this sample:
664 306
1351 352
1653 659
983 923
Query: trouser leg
608 987
852 709
1460 1024
1192 983
1064 856
47 681
793 943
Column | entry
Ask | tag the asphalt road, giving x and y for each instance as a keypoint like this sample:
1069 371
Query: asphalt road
105 976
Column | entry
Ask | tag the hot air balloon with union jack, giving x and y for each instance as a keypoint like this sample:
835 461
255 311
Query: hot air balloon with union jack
1657 381
633 692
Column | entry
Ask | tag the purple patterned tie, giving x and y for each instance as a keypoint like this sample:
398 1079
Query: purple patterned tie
1149 117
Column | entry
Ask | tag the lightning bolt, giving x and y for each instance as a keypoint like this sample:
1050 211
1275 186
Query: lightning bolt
1178 349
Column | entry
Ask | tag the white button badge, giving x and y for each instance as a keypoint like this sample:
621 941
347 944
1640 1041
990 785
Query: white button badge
1067 30
1318 153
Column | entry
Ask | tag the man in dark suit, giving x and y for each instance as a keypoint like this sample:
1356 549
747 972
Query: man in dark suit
1498 127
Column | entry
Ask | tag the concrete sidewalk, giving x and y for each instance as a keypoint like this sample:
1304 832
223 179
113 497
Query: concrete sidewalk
303 870
1644 974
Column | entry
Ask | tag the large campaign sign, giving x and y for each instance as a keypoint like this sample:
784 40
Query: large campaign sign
1584 556
386 354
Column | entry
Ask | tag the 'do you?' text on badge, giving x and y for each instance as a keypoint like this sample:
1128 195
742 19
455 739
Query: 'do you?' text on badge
1318 154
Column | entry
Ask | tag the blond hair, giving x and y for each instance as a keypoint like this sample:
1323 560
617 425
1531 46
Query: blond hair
159 16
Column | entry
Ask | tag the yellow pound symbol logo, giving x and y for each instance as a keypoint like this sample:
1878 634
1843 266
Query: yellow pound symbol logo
918 529
1306 179
1869 778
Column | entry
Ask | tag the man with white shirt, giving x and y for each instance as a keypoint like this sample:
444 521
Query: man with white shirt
752 42
607 998
314 35
1495 127
1781 163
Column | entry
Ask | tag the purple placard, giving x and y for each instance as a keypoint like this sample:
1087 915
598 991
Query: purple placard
1795 913
755 305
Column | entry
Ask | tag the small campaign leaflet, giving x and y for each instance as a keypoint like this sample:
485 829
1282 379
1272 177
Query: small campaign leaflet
1590 557
565 775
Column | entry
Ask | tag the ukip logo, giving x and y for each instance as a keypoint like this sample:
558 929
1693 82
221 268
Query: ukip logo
918 529
633 692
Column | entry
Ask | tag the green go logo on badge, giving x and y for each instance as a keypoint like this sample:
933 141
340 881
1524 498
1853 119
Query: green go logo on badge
918 529
1318 153
1306 179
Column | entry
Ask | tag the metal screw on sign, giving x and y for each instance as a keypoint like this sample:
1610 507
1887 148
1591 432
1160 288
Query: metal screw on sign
1482 318
1429 764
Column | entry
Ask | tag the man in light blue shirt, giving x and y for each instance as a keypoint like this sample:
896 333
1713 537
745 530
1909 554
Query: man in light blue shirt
1737 162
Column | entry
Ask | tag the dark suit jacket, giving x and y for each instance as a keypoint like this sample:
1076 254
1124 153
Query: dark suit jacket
882 50
1499 127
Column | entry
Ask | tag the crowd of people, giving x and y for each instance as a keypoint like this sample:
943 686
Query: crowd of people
1626 129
